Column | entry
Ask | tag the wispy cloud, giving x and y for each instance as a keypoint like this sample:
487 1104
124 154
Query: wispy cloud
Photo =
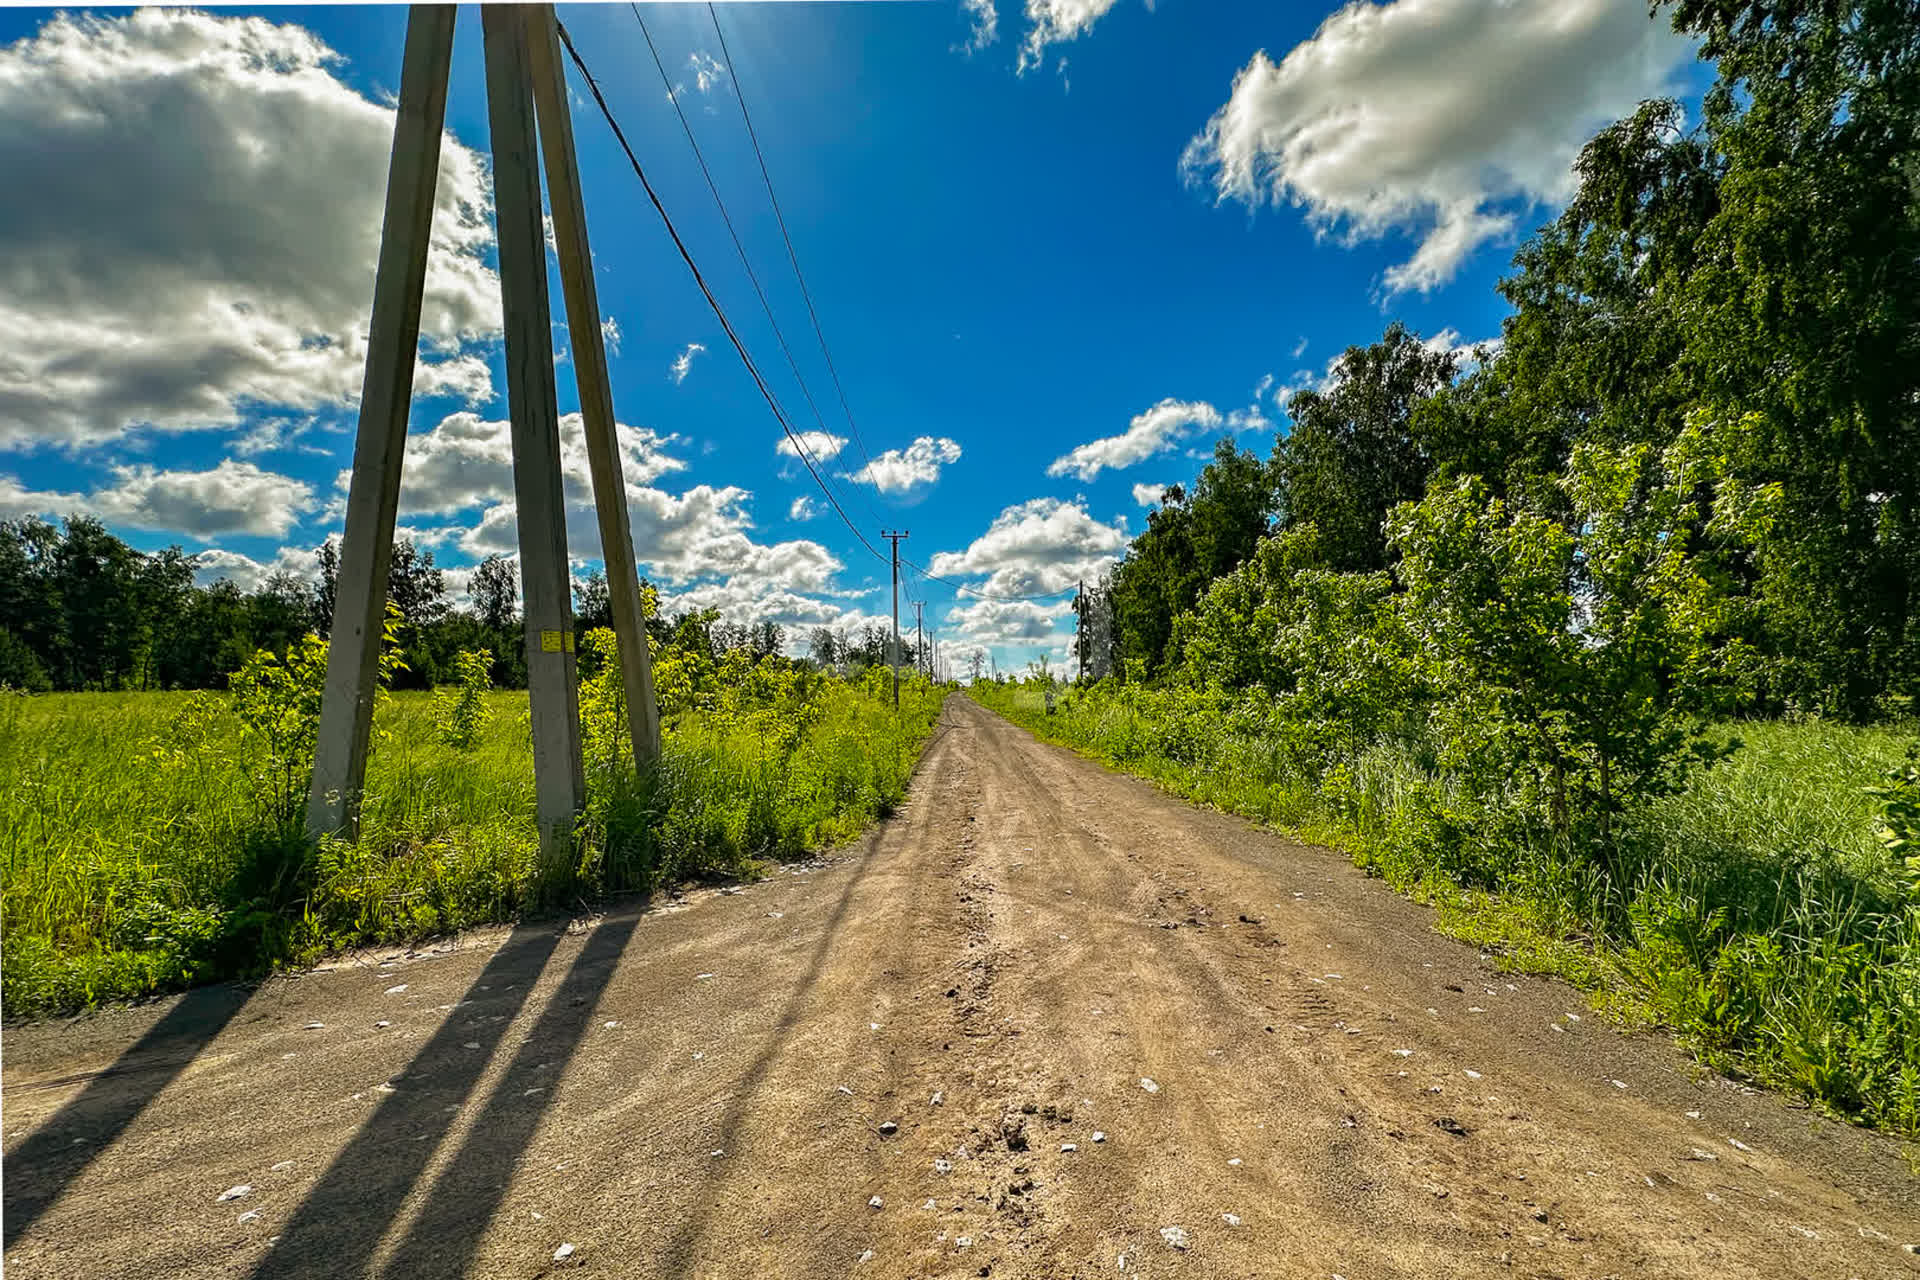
683 363
1152 431
708 71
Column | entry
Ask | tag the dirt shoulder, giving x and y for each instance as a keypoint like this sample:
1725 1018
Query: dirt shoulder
1048 1017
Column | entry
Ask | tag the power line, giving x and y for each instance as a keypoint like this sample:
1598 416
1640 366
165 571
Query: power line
593 86
739 248
806 458
754 137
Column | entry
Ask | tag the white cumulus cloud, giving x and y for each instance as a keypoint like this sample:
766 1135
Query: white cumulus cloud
1151 432
195 228
1051 22
1008 623
461 472
232 498
803 508
465 462
1447 119
1034 547
249 574
820 445
1148 495
900 470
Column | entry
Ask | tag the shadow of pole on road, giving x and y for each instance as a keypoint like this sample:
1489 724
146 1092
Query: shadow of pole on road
39 1172
447 1231
341 1221
677 1258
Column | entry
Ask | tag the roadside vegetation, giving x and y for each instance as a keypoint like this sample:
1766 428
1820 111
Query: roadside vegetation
1605 636
152 840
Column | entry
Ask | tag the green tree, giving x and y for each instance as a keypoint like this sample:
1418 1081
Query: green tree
281 612
592 602
823 647
1190 540
20 666
213 636
1351 453
326 585
494 589
1805 308
29 596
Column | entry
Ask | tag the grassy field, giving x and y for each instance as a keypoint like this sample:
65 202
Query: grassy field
134 856
1758 915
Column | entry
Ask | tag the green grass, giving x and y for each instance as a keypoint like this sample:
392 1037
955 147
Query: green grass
133 857
1755 913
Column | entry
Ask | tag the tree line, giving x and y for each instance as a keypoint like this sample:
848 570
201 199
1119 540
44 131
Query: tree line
80 609
1712 358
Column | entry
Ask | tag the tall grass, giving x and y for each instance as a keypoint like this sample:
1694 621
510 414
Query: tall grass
1755 913
133 856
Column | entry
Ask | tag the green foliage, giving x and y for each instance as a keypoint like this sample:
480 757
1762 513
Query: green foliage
1190 540
20 666
1897 822
276 701
129 875
1353 454
462 714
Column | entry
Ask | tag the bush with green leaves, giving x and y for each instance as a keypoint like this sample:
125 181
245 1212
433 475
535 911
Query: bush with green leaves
276 699
462 711
1897 820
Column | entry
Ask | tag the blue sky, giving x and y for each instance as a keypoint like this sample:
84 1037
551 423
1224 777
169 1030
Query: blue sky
1053 267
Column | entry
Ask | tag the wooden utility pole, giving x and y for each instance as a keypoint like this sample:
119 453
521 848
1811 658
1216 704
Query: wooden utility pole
919 645
521 60
546 586
590 371
373 497
894 538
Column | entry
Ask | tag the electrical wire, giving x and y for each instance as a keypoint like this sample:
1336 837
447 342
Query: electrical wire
754 137
806 458
739 248
593 86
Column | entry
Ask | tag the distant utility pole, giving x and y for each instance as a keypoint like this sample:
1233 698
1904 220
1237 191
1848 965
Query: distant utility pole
1080 641
919 645
894 538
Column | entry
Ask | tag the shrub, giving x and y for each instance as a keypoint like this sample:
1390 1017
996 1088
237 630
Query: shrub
462 714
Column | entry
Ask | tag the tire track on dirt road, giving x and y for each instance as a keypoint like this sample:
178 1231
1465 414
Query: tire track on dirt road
722 1085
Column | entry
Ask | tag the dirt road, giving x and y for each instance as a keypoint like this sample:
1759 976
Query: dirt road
1046 1022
